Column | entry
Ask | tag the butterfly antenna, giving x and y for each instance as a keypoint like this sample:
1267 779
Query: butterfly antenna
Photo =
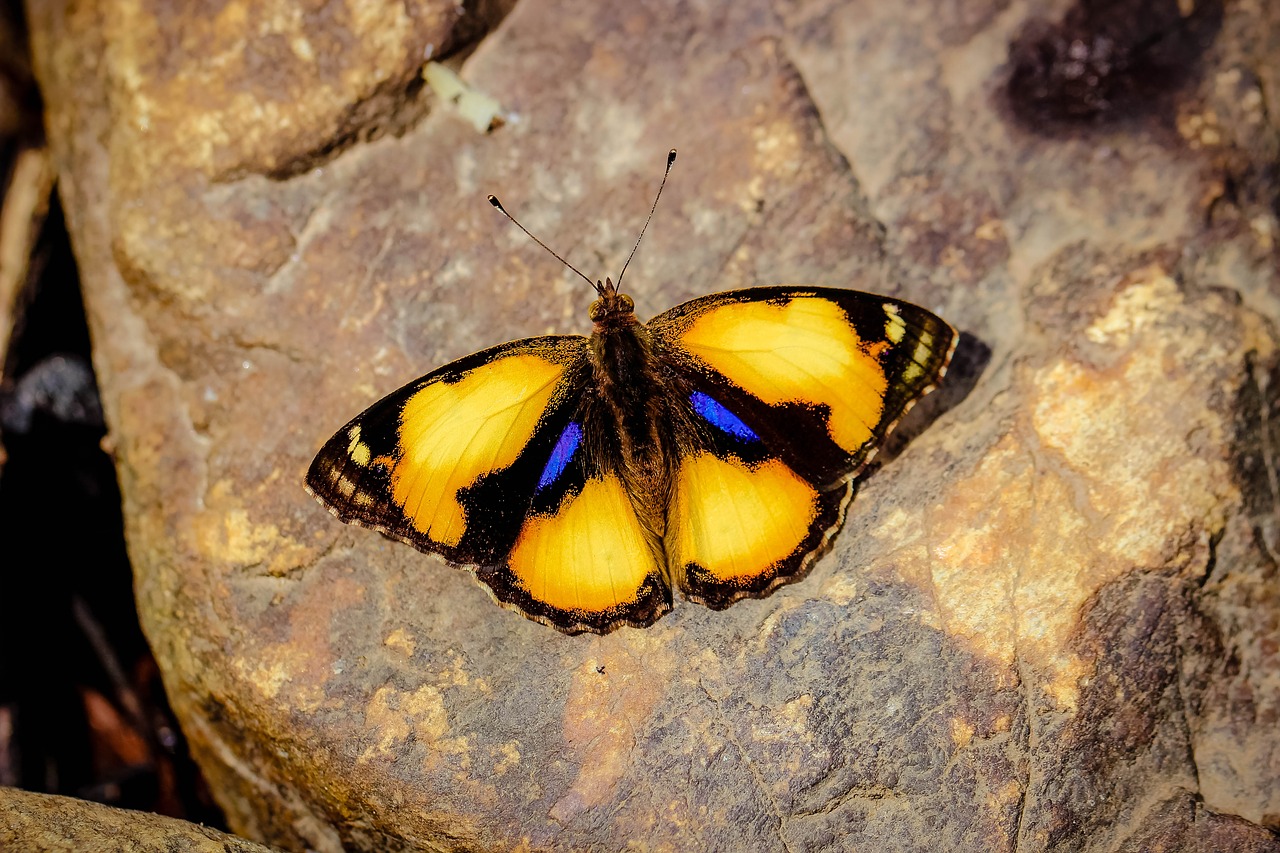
493 200
671 158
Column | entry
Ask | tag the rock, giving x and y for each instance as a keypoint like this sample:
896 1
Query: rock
1051 619
51 824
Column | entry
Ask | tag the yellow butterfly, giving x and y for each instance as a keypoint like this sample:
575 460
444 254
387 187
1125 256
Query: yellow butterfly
712 449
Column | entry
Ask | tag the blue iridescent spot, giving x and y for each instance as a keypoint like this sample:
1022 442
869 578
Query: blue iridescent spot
561 455
720 417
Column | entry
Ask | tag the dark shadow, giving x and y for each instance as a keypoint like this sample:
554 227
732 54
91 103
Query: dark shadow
968 363
1107 61
88 714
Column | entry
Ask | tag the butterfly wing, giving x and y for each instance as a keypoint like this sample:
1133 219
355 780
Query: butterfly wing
791 392
496 461
583 560
447 462
740 520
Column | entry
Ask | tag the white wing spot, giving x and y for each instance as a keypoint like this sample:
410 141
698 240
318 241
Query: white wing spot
357 449
895 328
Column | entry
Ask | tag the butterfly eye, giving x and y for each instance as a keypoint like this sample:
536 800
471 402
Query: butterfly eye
628 304
596 312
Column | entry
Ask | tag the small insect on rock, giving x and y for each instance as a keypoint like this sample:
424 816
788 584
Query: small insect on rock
712 449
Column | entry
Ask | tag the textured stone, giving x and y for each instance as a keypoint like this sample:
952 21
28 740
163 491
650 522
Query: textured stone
50 824
1051 621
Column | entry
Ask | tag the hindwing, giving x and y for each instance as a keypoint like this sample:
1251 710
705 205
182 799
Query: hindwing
740 520
583 560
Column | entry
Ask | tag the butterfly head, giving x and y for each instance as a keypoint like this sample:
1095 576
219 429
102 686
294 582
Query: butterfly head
613 309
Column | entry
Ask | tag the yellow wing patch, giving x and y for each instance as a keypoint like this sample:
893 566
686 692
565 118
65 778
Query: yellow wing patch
895 328
450 434
734 520
805 351
357 449
589 557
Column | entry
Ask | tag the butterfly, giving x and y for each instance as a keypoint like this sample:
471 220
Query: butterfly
712 449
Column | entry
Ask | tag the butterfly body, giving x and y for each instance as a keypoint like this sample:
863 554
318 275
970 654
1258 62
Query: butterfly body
631 405
711 450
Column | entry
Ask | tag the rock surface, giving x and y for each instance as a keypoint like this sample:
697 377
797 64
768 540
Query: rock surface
49 824
1052 622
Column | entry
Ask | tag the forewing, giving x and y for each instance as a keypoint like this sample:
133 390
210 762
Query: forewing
449 462
820 374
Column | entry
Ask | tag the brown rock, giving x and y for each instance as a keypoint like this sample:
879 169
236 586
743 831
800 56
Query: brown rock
49 824
1050 623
